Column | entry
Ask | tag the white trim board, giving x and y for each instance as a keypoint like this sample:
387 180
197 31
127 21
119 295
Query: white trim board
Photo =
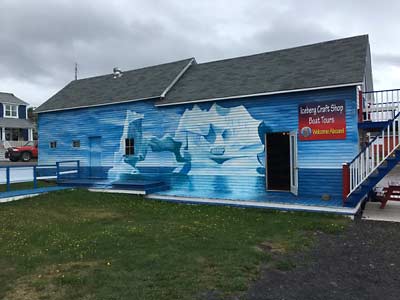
260 94
111 191
257 204
9 199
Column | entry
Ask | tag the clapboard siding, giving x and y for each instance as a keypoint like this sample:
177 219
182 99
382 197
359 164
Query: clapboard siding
235 128
318 181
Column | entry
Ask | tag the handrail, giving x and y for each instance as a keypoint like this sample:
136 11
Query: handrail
23 166
67 161
375 153
58 168
390 90
35 175
390 122
382 105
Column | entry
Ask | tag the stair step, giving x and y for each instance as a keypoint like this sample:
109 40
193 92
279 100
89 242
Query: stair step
138 184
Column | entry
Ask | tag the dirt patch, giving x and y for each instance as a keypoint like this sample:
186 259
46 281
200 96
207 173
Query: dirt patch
361 263
272 247
98 214
45 283
87 215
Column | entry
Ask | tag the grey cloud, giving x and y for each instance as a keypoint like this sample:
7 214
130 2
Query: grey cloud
41 40
387 59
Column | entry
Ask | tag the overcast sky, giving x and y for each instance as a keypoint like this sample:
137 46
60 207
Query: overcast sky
41 40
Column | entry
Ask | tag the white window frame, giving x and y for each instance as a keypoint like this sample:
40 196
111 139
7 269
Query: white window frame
5 110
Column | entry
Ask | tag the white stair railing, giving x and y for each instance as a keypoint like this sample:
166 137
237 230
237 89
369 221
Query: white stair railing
381 106
375 153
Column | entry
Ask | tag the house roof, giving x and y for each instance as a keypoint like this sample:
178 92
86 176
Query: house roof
139 84
331 63
15 123
327 64
11 99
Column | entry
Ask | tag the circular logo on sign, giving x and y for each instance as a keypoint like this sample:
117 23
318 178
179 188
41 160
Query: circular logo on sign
306 132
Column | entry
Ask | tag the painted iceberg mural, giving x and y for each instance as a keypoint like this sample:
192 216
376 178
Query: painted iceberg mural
214 141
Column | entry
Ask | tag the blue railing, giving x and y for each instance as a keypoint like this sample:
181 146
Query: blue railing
68 169
34 173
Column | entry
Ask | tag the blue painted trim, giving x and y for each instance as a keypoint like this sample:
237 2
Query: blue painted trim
34 178
8 188
372 125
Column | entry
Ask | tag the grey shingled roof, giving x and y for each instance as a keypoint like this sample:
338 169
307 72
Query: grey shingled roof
149 82
15 123
11 99
329 63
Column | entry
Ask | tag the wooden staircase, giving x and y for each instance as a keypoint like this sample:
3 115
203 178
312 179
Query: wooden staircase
372 180
380 155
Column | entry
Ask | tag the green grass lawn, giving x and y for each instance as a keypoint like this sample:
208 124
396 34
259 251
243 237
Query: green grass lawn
27 185
83 245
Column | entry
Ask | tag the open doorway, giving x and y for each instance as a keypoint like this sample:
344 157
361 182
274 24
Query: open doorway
278 161
281 171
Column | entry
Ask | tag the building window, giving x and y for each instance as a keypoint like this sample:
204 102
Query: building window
76 143
10 111
53 144
129 146
14 134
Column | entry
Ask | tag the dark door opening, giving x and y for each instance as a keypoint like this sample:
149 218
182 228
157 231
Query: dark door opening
278 161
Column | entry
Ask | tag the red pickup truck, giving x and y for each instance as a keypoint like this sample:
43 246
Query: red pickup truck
24 153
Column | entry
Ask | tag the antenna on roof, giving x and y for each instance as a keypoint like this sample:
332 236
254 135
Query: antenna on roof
76 71
117 72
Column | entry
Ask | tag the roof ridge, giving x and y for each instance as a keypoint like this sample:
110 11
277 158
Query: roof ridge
133 70
283 49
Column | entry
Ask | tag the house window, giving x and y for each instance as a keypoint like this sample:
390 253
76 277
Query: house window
10 111
76 143
129 146
13 134
53 144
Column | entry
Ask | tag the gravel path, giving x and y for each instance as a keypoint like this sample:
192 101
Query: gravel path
361 263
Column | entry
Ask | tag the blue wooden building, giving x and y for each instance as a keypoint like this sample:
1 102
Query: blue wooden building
271 129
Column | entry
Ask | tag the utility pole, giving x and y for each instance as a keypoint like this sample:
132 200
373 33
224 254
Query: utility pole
76 71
